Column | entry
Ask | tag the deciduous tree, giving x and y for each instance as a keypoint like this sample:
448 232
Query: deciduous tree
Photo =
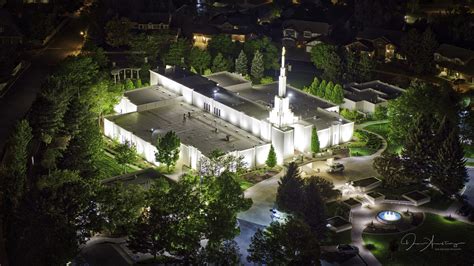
168 149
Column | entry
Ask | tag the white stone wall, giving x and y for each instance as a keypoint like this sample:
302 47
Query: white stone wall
125 106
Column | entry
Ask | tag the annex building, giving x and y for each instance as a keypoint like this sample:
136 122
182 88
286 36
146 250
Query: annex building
224 111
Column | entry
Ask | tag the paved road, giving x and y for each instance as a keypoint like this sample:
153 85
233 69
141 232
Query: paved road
469 192
17 101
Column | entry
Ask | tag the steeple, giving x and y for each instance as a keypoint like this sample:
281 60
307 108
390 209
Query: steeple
281 114
282 78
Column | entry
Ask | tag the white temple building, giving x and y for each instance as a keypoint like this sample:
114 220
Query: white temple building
224 111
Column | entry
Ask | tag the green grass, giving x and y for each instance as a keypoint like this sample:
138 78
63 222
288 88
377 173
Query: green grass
470 164
244 184
383 130
108 167
468 151
434 225
361 151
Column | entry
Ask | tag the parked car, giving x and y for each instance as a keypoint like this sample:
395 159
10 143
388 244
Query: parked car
335 167
347 249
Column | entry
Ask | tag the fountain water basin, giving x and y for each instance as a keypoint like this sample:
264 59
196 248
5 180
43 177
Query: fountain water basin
388 217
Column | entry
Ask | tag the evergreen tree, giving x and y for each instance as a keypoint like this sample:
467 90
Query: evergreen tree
220 64
271 158
256 71
420 149
241 63
366 66
313 89
177 53
450 172
329 92
168 149
314 140
313 208
321 93
290 190
129 85
338 94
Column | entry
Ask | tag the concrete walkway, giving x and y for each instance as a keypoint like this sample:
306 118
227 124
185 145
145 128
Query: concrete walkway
263 195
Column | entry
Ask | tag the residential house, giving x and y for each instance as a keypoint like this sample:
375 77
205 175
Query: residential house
455 62
151 21
239 26
303 34
365 97
386 43
360 47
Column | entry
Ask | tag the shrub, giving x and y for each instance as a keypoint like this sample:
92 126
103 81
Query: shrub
266 80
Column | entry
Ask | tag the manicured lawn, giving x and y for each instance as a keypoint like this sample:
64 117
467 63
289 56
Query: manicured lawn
244 184
469 151
434 226
361 151
470 164
383 130
108 167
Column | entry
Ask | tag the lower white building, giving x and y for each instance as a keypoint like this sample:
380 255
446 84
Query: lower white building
365 97
223 111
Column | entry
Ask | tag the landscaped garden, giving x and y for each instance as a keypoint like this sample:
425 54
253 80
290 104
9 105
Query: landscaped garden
444 234
365 143
383 130
251 178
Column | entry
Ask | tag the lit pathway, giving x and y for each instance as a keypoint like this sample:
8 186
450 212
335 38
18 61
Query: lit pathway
263 195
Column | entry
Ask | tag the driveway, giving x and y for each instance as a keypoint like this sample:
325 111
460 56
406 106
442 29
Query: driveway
469 192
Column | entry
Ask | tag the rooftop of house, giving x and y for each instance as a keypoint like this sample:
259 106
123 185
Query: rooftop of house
453 52
304 25
372 91
372 34
198 131
149 95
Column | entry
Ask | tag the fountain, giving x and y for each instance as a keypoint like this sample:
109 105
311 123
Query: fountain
388 217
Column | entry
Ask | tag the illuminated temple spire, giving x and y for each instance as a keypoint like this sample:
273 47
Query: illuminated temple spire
281 114
282 78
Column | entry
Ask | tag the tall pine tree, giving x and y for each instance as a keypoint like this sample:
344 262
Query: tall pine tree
256 70
450 172
241 63
314 140
290 190
271 159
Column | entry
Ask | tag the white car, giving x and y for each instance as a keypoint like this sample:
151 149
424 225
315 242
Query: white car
335 167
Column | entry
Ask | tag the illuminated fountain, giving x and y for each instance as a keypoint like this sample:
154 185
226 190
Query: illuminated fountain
389 217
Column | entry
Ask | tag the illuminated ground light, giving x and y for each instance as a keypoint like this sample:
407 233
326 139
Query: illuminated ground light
388 217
